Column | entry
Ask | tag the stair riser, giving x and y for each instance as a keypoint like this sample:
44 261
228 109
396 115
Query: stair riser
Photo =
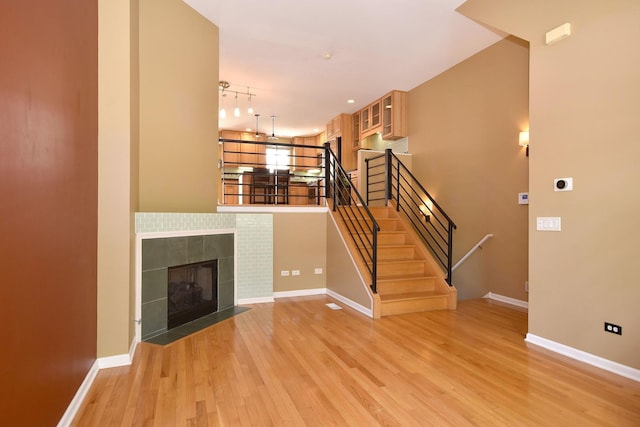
390 308
377 211
391 239
390 254
386 224
401 268
402 286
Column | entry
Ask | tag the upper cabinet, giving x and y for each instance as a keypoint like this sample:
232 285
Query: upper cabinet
341 127
394 115
387 116
370 119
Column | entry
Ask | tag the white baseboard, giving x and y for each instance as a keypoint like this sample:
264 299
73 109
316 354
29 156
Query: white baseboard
583 356
300 293
119 360
358 307
77 400
101 363
258 300
507 300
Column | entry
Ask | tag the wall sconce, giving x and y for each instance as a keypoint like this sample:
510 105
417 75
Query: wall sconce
523 140
427 209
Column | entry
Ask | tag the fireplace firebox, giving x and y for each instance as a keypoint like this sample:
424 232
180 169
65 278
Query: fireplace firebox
192 292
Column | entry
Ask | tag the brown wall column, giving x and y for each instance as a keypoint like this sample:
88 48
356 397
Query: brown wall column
48 208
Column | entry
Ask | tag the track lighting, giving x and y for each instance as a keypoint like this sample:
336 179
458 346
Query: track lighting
224 86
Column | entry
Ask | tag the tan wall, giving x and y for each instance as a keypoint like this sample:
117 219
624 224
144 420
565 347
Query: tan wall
299 243
342 274
584 113
178 108
116 194
463 134
134 149
122 51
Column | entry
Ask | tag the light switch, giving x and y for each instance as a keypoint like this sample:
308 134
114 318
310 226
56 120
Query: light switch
548 223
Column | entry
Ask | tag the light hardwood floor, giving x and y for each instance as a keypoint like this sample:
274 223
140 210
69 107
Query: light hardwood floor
296 362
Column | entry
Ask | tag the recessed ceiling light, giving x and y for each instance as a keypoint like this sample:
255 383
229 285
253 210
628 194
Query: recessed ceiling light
351 101
248 129
316 130
327 56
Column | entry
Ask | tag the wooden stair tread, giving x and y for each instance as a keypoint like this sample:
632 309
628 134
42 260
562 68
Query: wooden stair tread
402 261
405 278
410 295
394 277
394 245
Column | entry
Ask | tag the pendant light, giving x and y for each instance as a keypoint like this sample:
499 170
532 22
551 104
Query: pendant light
236 111
273 128
223 113
250 109
223 85
257 134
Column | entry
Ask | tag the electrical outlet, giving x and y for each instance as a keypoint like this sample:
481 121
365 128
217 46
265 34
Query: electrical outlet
614 329
317 270
284 273
295 272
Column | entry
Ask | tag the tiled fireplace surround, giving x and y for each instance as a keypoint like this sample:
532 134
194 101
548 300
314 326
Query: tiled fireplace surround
242 243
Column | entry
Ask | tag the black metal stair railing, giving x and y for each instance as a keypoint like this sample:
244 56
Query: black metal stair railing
347 202
389 180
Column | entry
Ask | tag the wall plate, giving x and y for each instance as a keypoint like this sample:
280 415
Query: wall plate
563 184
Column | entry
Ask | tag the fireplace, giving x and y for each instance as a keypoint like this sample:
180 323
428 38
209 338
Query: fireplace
192 292
184 278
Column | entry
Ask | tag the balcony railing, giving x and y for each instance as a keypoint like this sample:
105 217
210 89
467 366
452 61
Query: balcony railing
271 173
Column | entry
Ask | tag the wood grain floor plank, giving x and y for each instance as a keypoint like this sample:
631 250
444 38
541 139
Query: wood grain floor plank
296 362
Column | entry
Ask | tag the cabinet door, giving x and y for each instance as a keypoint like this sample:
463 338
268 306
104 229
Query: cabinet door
310 160
376 118
356 131
365 122
231 192
298 194
230 154
394 116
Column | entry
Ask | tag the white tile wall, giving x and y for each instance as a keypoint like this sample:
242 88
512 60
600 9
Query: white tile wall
254 246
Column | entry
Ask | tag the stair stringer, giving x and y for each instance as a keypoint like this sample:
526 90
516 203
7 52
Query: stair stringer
358 262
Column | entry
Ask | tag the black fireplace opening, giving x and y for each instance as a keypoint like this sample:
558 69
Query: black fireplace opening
192 292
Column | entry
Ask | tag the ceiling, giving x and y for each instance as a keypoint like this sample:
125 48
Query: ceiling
304 59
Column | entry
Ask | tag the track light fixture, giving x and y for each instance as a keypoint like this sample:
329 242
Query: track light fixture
224 86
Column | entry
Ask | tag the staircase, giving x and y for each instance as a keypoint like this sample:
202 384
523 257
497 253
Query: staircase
408 278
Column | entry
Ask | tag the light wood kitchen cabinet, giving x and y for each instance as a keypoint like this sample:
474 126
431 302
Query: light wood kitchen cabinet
394 115
371 119
356 131
232 190
342 127
236 154
298 193
305 158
